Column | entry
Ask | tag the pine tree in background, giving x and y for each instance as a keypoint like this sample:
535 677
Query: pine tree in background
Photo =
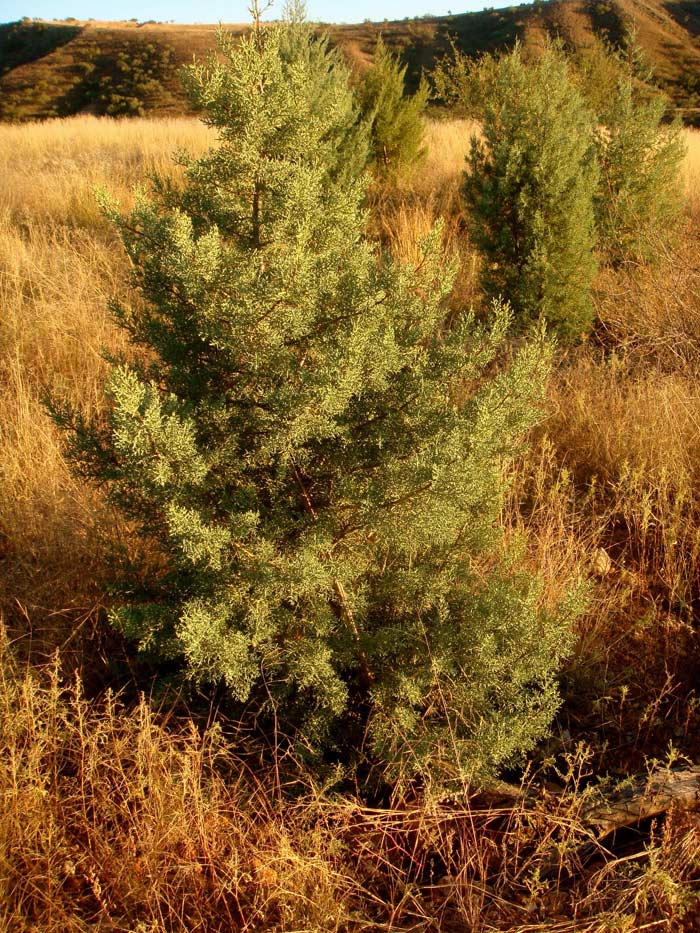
462 82
640 198
395 120
307 447
529 191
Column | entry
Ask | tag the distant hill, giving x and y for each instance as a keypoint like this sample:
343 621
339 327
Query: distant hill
127 68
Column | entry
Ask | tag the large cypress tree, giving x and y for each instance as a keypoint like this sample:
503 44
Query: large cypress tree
318 460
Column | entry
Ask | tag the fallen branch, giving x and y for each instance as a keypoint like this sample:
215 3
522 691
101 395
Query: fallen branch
645 797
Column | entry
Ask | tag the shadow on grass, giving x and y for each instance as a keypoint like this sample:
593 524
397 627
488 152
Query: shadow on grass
25 42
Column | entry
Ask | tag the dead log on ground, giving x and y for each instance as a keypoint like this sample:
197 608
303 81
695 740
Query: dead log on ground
639 798
644 797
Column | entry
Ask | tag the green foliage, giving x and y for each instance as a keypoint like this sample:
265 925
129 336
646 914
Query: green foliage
530 193
326 74
26 41
315 457
395 120
639 200
121 83
462 82
596 69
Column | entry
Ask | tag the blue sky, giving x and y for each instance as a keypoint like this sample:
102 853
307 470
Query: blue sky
230 11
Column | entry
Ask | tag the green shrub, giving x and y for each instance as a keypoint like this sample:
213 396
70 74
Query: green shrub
461 81
120 83
639 199
316 459
596 70
395 120
530 191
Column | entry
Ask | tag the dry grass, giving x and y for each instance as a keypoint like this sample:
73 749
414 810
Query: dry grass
126 820
448 143
613 487
115 819
58 267
403 215
51 169
53 288
691 172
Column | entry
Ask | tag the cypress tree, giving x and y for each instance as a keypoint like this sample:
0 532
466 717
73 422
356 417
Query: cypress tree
317 459
529 190
639 199
395 119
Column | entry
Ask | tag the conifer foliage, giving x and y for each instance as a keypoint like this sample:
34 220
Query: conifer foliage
530 188
639 199
395 119
307 446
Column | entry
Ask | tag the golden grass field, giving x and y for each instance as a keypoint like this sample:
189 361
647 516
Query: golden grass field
117 818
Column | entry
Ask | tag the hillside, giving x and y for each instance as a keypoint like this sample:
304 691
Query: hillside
130 68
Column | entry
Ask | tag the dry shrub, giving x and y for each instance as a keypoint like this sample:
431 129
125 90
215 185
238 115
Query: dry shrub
667 888
629 686
650 314
116 819
403 223
124 819
612 487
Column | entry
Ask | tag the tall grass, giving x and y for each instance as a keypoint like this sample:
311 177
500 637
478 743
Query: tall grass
691 172
120 818
59 264
51 169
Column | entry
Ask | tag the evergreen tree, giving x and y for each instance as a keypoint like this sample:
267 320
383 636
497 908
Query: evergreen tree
326 73
639 198
308 449
530 190
596 70
462 82
395 120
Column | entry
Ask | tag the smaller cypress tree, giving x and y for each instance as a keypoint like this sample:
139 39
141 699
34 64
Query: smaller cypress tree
326 71
395 120
461 82
529 191
596 69
639 198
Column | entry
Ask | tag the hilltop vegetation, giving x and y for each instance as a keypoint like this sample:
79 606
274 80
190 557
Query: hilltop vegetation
45 66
